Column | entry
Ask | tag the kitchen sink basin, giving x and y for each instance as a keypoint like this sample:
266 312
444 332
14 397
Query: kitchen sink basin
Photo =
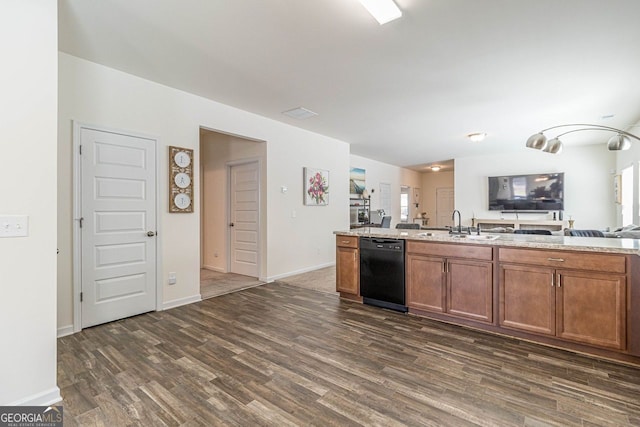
483 237
476 237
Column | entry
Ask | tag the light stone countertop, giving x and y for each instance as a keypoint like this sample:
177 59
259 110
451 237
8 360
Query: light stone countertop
565 243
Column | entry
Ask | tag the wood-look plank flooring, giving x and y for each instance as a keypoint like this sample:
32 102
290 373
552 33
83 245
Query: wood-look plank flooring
281 355
323 280
214 283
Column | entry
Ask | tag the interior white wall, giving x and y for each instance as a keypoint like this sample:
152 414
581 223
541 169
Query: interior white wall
378 172
216 151
299 238
431 181
588 183
28 107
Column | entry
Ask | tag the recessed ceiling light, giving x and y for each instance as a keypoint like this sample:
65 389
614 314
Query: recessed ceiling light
300 113
435 168
383 10
477 136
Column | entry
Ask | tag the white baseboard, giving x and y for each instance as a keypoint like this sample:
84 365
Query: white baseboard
212 268
181 301
301 271
63 331
45 398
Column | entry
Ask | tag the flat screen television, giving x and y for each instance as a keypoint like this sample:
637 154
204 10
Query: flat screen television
518 193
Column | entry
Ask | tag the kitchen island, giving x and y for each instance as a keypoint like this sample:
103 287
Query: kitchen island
577 293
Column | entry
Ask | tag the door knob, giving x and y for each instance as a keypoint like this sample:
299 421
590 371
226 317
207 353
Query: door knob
151 233
231 225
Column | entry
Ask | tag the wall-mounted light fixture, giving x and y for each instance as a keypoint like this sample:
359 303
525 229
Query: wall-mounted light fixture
618 142
435 168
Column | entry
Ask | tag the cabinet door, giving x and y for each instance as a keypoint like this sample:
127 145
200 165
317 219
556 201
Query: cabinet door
527 298
470 289
347 270
425 283
591 308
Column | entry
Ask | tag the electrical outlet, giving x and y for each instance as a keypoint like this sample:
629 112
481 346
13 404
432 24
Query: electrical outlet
172 278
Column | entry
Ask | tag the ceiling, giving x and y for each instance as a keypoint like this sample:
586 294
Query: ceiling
405 93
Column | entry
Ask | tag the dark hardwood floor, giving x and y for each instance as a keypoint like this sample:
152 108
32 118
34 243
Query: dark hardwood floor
282 355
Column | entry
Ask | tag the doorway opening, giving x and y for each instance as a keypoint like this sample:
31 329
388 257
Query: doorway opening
404 203
233 203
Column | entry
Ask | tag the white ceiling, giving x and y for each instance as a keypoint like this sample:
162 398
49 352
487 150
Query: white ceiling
406 93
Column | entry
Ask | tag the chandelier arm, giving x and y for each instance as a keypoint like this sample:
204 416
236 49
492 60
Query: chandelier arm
598 128
579 124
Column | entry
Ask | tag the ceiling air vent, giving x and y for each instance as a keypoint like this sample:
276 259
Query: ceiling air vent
299 113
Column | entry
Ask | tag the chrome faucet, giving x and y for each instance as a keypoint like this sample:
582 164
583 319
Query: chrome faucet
453 218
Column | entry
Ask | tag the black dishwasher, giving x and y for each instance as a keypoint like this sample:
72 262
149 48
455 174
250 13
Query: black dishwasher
382 272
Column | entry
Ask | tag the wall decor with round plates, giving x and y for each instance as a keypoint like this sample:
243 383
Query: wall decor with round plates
180 180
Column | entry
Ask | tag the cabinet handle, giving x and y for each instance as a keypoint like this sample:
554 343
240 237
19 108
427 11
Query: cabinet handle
345 241
556 259
444 266
553 280
559 280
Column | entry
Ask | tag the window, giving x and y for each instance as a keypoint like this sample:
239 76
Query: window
627 190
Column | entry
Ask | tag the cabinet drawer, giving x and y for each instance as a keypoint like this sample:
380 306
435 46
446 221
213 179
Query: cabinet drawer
563 259
447 250
347 241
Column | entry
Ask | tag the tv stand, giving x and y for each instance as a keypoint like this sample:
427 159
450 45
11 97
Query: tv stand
521 224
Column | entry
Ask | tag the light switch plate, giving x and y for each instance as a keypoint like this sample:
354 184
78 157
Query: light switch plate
14 225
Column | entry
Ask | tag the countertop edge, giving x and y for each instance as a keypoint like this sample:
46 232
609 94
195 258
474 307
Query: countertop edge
565 243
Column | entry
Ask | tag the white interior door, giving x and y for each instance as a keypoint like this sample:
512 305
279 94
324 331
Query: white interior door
244 218
445 203
118 226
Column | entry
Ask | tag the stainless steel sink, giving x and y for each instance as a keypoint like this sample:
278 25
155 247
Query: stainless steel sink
483 237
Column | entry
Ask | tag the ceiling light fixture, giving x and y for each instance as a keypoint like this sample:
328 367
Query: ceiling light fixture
435 168
383 10
618 142
477 136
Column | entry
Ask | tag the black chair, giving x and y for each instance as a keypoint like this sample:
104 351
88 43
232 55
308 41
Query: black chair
407 226
541 232
585 233
386 222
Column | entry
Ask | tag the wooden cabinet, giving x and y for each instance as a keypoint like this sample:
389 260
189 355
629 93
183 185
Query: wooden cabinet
527 299
579 297
452 279
425 283
591 308
347 265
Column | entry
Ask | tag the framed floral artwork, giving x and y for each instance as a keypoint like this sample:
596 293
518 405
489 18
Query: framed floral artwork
316 187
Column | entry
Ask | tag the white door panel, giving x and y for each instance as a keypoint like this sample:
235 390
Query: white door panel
244 215
445 202
118 207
